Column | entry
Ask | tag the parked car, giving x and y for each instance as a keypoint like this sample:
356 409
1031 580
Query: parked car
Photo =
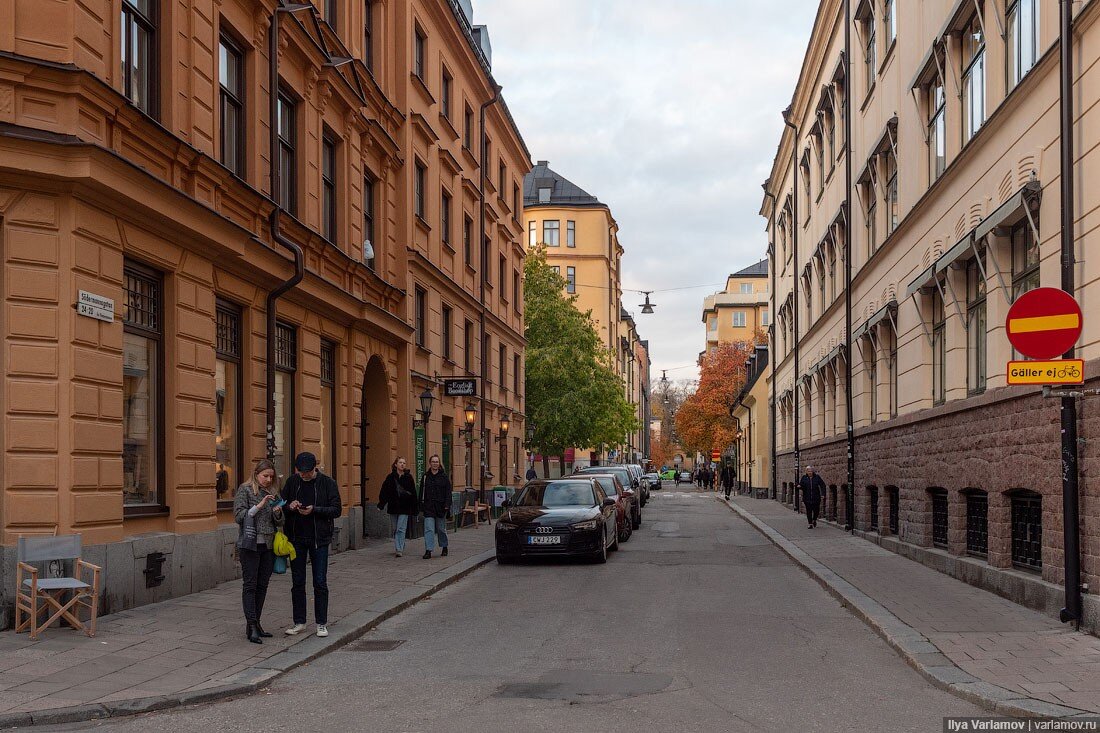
669 474
643 482
624 502
654 480
567 517
626 479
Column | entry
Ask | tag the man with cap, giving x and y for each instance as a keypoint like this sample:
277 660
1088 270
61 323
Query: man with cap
813 488
312 505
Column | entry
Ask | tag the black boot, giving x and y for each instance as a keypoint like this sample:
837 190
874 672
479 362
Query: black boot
444 553
260 630
253 634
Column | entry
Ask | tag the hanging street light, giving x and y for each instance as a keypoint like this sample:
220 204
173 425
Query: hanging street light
647 307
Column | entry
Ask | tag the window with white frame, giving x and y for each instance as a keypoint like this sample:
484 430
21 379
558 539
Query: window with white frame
973 77
939 347
975 326
937 128
1022 41
551 232
739 319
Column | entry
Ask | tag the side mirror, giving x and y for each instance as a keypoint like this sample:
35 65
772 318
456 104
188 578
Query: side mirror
634 483
608 502
506 504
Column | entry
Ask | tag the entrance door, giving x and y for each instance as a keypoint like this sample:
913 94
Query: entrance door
374 431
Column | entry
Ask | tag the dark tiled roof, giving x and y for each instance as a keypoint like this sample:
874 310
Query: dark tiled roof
563 192
757 269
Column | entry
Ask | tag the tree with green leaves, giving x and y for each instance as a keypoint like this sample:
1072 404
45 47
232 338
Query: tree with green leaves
573 396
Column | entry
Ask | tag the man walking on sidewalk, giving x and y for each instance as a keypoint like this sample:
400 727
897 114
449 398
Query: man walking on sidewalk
728 478
813 488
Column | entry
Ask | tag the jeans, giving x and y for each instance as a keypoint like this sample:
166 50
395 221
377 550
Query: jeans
318 559
400 526
256 566
811 512
432 526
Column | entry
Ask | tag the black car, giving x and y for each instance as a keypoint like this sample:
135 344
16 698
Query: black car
569 516
626 478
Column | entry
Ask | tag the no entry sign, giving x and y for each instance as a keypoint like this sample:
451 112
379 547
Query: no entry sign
1044 323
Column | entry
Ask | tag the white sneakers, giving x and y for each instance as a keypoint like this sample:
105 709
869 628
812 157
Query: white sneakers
322 630
295 629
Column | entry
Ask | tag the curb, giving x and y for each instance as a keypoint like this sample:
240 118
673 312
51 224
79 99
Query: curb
913 646
347 630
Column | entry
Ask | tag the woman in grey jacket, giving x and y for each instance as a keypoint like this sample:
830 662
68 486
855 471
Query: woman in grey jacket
255 504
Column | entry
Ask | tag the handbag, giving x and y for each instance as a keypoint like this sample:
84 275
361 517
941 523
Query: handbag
247 539
279 568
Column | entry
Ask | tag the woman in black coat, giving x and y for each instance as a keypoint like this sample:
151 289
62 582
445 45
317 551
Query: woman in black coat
436 506
398 496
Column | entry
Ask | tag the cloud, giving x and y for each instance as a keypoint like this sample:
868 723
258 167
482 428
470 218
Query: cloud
670 114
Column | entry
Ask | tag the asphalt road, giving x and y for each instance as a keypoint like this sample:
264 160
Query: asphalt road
698 623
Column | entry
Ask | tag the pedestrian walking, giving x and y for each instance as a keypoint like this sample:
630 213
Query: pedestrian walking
313 504
728 478
531 475
260 514
813 488
436 487
398 496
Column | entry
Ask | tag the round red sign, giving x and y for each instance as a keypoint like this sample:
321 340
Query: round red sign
1044 323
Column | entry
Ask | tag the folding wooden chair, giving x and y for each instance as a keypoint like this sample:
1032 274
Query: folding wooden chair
35 595
471 505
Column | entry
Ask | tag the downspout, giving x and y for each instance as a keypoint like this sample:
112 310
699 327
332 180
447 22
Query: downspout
484 450
774 356
273 222
1071 523
850 428
794 298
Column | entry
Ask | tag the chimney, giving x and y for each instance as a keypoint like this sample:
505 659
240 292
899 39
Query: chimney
545 163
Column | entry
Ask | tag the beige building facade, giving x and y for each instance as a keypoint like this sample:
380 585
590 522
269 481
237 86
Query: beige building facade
952 212
752 452
740 310
142 233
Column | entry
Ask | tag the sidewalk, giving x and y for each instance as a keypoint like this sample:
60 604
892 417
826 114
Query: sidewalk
976 644
191 649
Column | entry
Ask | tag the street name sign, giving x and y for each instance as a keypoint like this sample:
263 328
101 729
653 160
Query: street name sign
1056 371
460 387
95 306
1044 323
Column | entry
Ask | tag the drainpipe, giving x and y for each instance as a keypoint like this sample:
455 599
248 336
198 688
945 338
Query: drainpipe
484 449
1071 527
774 356
850 429
794 300
273 221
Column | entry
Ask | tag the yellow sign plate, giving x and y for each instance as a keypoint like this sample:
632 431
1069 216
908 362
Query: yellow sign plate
1056 371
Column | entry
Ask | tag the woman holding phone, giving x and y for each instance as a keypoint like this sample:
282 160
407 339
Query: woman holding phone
259 513
398 496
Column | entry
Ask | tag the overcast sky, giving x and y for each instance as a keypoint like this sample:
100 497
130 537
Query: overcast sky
670 114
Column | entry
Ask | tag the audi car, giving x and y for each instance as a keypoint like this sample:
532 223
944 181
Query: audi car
570 517
626 478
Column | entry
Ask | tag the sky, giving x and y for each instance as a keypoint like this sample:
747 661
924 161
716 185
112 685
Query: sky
670 114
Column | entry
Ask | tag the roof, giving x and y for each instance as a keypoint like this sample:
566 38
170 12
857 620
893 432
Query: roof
563 192
757 269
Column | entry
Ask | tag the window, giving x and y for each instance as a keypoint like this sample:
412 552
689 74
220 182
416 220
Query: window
371 255
420 316
445 93
328 186
515 201
871 223
502 268
231 105
1027 530
570 279
872 492
1022 44
467 128
287 194
890 21
764 317
937 130
445 218
326 447
893 496
532 238
228 456
746 288
517 296
544 195
973 78
550 232
570 233
870 54
467 240
872 382
556 269
467 346
502 175
832 272
739 319
712 324
446 337
139 54
418 189
819 157
486 275
977 523
286 363
142 388
975 326
515 373
419 41
503 367
939 349
892 371
939 517
1025 259
368 34
891 193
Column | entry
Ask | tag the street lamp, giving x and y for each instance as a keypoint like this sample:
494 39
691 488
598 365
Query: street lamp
426 400
505 422
470 415
530 433
647 307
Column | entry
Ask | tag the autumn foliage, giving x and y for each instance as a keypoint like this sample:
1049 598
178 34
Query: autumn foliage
703 421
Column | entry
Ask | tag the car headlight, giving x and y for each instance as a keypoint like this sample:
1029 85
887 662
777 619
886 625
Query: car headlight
506 527
587 526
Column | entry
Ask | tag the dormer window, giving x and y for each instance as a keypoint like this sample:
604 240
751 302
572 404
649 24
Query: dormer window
544 195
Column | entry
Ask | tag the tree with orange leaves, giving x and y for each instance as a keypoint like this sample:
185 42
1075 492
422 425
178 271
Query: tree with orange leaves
703 421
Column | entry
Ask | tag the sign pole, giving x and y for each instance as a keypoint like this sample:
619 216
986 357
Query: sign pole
1070 504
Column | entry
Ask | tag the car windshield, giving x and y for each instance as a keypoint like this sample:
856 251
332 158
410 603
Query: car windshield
621 473
557 494
608 486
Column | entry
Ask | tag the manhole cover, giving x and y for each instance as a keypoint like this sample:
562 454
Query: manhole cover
375 645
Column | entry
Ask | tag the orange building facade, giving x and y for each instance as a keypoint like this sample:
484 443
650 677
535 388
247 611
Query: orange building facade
136 214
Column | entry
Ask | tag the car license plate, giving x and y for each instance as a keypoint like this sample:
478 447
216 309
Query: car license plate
549 539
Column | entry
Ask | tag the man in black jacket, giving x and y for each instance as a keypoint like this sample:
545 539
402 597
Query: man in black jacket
313 503
436 505
813 488
728 478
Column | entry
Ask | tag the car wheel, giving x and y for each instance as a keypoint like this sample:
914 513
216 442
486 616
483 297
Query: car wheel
601 554
615 542
628 530
636 520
